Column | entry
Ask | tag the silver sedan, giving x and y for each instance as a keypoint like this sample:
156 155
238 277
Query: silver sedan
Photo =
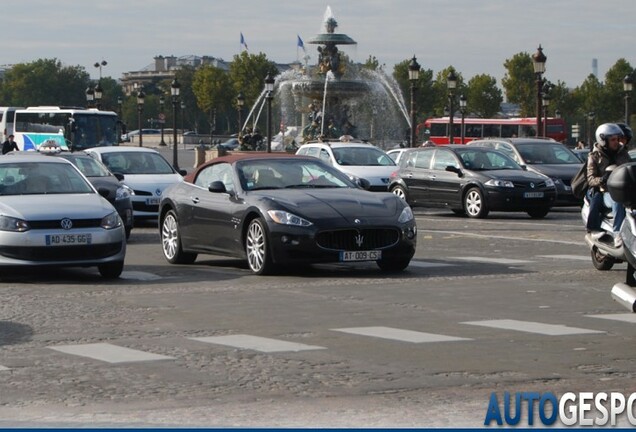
50 215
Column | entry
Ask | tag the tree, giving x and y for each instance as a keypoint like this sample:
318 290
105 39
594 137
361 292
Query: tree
247 74
519 83
483 96
614 93
442 93
213 92
371 63
424 95
44 82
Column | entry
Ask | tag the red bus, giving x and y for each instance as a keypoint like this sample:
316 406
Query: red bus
436 129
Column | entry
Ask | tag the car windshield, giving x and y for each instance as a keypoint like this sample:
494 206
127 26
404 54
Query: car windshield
361 156
136 163
543 153
34 178
89 166
289 174
478 159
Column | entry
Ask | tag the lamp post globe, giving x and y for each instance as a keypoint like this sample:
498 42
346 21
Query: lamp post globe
98 92
175 88
90 96
451 84
538 63
414 75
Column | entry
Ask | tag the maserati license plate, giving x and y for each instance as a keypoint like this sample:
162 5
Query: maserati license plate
372 255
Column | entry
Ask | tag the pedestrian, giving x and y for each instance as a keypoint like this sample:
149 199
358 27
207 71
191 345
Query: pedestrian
9 145
580 145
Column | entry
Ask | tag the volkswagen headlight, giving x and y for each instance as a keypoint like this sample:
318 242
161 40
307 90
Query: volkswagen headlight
549 182
8 223
286 218
123 192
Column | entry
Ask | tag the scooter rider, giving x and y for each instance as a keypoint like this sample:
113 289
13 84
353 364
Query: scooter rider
627 134
607 151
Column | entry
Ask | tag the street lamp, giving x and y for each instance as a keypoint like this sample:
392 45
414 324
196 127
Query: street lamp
140 108
182 123
590 123
414 74
628 85
90 96
99 65
240 101
462 108
98 96
162 118
451 83
538 62
120 104
269 87
545 102
174 91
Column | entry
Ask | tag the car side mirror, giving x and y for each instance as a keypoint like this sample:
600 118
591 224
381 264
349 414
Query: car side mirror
119 176
454 169
183 172
363 183
104 192
217 186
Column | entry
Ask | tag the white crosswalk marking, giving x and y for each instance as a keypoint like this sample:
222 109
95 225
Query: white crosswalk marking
399 334
109 353
492 260
625 317
567 257
426 264
256 343
4 368
532 327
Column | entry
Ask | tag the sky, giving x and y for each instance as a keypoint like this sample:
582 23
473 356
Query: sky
473 36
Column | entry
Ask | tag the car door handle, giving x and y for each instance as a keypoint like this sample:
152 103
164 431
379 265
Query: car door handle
432 177
195 200
410 175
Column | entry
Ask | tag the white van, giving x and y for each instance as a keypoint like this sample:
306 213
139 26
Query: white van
7 115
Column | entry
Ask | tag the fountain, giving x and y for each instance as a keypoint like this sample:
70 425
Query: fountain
337 97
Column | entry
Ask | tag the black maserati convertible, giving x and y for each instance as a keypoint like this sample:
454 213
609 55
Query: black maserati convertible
276 209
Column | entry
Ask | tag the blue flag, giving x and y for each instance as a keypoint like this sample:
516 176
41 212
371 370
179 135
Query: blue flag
300 43
243 44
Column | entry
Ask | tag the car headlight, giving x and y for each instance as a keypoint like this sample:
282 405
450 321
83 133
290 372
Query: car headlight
286 218
8 223
111 221
499 183
549 182
406 215
123 192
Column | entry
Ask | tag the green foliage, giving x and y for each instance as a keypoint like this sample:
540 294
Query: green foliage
247 74
483 96
519 83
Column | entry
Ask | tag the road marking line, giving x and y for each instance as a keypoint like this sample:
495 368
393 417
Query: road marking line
139 275
567 257
532 327
492 260
625 317
490 236
109 353
4 368
428 264
399 334
256 343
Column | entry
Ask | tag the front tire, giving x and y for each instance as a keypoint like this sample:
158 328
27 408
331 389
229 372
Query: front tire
601 262
171 241
111 270
400 192
474 204
257 248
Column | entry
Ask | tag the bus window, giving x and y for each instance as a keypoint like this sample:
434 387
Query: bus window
472 130
509 131
438 129
492 130
527 131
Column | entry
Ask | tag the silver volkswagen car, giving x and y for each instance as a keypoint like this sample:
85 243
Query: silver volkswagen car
50 215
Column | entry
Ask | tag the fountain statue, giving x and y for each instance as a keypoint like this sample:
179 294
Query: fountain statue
337 97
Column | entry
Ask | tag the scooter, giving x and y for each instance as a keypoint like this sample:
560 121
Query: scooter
604 253
622 188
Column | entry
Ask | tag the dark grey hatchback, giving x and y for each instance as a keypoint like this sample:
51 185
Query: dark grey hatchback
471 181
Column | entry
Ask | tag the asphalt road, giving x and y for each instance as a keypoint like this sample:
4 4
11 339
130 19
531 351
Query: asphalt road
502 304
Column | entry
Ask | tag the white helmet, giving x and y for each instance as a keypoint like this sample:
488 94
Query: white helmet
607 130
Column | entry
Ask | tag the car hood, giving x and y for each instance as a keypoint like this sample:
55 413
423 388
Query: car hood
152 181
512 175
55 206
331 203
369 172
562 171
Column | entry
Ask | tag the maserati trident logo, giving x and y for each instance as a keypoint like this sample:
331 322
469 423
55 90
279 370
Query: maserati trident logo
66 223
359 240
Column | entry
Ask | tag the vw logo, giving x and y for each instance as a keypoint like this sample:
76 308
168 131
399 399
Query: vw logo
532 185
357 221
66 223
158 192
